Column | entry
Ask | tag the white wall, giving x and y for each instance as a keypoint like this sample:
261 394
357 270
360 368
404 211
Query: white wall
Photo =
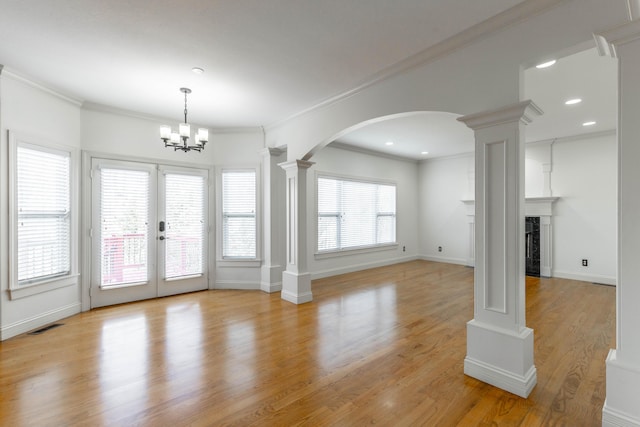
361 165
585 173
29 110
584 176
111 133
443 220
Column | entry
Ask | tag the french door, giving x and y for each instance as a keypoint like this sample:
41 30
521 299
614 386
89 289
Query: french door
149 231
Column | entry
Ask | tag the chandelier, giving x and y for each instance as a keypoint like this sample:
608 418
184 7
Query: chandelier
180 140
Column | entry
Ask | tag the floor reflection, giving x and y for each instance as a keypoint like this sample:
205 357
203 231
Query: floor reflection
124 364
356 324
183 346
240 370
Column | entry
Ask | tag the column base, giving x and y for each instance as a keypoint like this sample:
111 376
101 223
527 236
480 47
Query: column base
271 278
296 288
622 405
501 358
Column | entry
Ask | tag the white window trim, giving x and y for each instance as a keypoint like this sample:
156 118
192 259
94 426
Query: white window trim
48 284
334 253
230 261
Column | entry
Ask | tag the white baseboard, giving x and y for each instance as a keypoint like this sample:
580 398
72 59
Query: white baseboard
237 284
39 320
594 278
358 267
613 418
435 258
270 287
518 385
297 299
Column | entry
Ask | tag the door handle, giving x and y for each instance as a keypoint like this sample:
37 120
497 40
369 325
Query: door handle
161 237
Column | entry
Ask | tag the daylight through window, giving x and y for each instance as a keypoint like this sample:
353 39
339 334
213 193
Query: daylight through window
354 214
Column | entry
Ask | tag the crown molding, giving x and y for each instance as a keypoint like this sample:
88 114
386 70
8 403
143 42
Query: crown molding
634 9
576 137
521 12
523 112
362 150
14 75
608 41
101 108
465 155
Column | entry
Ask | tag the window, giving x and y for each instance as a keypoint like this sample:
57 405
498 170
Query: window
185 227
43 214
239 231
124 226
354 214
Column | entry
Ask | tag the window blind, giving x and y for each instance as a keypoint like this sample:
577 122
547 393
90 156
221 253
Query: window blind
239 214
184 212
124 219
354 213
44 220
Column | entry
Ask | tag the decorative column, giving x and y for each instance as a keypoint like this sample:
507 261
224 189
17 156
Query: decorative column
499 345
273 220
296 280
622 404
470 206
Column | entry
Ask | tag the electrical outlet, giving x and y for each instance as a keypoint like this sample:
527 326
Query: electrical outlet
404 249
585 262
439 248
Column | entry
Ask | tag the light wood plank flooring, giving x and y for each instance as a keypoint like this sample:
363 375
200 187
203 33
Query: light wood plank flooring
383 346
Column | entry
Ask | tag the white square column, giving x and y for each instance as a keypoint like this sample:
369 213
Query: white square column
296 280
499 345
622 403
273 219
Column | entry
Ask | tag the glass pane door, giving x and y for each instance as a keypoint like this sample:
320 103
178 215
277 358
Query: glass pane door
183 230
149 231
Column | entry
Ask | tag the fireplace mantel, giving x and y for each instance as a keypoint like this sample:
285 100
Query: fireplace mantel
533 206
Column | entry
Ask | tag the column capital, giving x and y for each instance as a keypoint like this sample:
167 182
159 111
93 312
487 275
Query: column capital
521 112
607 41
272 151
296 165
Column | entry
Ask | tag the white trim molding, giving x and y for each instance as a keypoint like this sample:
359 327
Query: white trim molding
39 320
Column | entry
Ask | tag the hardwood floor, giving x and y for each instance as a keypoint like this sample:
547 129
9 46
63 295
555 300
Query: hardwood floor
383 346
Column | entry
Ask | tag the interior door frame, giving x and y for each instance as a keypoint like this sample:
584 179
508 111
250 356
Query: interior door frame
86 215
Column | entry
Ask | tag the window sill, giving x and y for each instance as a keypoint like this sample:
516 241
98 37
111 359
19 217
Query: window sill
355 251
238 263
44 286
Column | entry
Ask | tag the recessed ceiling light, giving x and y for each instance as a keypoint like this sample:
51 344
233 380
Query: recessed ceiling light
546 64
591 123
573 101
388 143
197 70
424 153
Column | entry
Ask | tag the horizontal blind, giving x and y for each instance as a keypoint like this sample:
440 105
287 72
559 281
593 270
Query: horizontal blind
124 220
44 220
328 213
239 214
184 211
386 214
354 213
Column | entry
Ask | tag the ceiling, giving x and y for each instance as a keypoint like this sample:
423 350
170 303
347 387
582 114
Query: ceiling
266 60
584 75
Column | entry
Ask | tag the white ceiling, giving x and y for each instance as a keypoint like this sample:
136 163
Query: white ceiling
266 60
584 75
